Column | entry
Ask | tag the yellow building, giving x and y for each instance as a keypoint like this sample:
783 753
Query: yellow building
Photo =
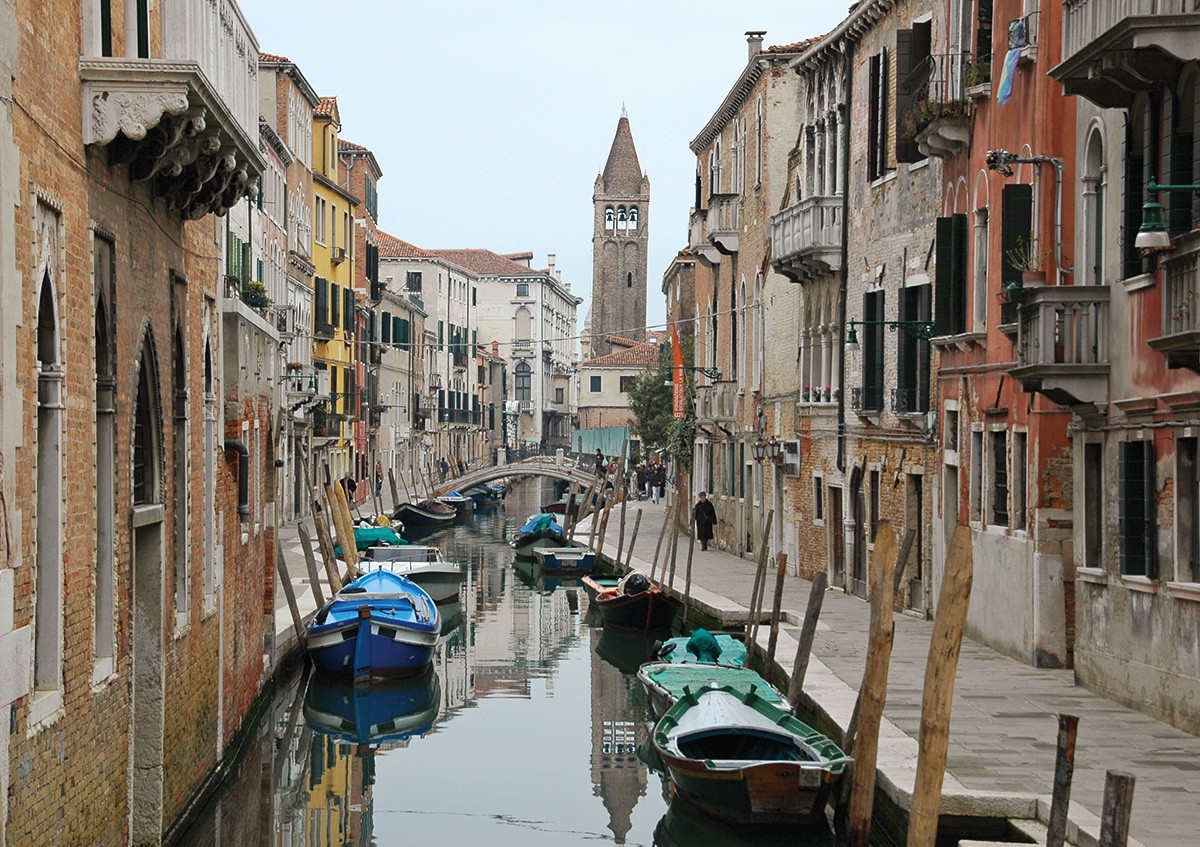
334 310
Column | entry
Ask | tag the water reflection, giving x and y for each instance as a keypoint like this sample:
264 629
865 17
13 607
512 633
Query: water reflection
529 729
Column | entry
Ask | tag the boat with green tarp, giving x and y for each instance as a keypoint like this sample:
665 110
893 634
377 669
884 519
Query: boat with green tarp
666 682
733 753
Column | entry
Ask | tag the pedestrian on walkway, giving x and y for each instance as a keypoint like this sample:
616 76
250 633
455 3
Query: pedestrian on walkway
444 467
705 516
658 478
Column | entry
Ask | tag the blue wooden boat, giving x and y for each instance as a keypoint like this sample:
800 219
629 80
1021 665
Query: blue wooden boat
381 624
385 710
539 531
461 504
484 495
565 560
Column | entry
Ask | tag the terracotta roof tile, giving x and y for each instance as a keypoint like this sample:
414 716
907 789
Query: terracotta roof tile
640 355
391 247
327 107
272 57
486 263
351 147
795 47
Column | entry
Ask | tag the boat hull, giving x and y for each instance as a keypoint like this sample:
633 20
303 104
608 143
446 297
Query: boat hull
392 710
419 517
526 546
649 611
337 649
762 793
565 560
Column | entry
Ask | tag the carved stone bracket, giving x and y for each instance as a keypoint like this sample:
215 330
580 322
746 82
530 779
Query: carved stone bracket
166 123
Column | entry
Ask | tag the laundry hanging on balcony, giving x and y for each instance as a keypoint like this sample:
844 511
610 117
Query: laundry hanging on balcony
1008 72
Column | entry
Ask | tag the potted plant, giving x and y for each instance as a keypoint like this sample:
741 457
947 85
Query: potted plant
806 393
1026 259
254 295
979 72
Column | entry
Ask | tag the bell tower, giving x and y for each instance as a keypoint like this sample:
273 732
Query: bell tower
620 235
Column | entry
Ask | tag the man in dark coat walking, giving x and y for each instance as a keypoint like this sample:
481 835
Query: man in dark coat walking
705 516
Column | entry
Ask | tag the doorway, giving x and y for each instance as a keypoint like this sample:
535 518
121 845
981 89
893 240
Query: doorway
146 783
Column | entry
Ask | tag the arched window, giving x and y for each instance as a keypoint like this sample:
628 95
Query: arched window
523 326
47 648
147 474
1094 203
1182 161
622 220
735 152
105 460
633 217
210 475
1140 166
524 381
608 217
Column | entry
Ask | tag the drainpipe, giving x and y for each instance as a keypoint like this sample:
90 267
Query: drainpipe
243 478
1002 161
844 276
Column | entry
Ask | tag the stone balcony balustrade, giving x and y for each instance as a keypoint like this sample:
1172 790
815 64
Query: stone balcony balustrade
1062 345
721 223
806 238
185 121
1113 49
698 242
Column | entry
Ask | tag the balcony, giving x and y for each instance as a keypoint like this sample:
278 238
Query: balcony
326 424
303 381
1113 49
806 239
721 227
1180 339
939 117
1062 345
433 380
697 239
527 406
185 122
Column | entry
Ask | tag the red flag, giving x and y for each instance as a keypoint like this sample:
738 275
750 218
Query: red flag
679 388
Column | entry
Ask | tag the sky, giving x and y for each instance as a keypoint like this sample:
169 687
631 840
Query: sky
492 118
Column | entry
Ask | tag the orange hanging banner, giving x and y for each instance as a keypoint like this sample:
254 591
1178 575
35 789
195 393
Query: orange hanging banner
679 387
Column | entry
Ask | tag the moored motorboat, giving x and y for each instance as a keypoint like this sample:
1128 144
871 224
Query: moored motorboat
634 603
422 564
366 537
738 757
483 495
566 560
539 531
703 647
461 504
424 514
381 624
386 710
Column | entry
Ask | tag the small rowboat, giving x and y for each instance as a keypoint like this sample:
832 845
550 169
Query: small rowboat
665 683
423 565
425 514
635 604
565 560
381 624
736 756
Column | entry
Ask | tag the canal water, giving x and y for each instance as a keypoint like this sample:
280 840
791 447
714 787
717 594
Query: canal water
530 729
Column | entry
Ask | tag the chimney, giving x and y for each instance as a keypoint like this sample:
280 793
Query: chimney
550 258
754 41
496 348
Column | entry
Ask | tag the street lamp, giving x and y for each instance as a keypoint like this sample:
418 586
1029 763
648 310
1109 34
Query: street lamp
1153 234
759 449
774 450
918 329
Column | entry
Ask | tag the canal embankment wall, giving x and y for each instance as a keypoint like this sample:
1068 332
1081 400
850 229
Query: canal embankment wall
1003 726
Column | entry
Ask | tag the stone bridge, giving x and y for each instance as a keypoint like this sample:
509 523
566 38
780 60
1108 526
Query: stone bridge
552 466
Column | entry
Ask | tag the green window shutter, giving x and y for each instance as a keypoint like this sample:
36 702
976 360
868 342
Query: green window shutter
958 267
335 304
1137 515
348 311
400 331
386 328
906 143
943 281
924 357
321 302
872 346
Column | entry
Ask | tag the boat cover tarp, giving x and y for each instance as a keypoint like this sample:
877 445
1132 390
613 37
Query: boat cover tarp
542 522
369 536
704 647
674 678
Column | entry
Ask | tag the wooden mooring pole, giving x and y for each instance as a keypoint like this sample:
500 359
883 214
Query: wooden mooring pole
310 561
289 593
776 608
1118 801
662 533
873 691
1064 769
637 522
392 487
937 700
808 631
687 577
756 593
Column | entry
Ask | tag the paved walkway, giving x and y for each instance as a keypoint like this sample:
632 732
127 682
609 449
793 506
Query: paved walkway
1003 728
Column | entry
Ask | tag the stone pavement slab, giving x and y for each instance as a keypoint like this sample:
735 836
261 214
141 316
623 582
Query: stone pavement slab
1003 726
